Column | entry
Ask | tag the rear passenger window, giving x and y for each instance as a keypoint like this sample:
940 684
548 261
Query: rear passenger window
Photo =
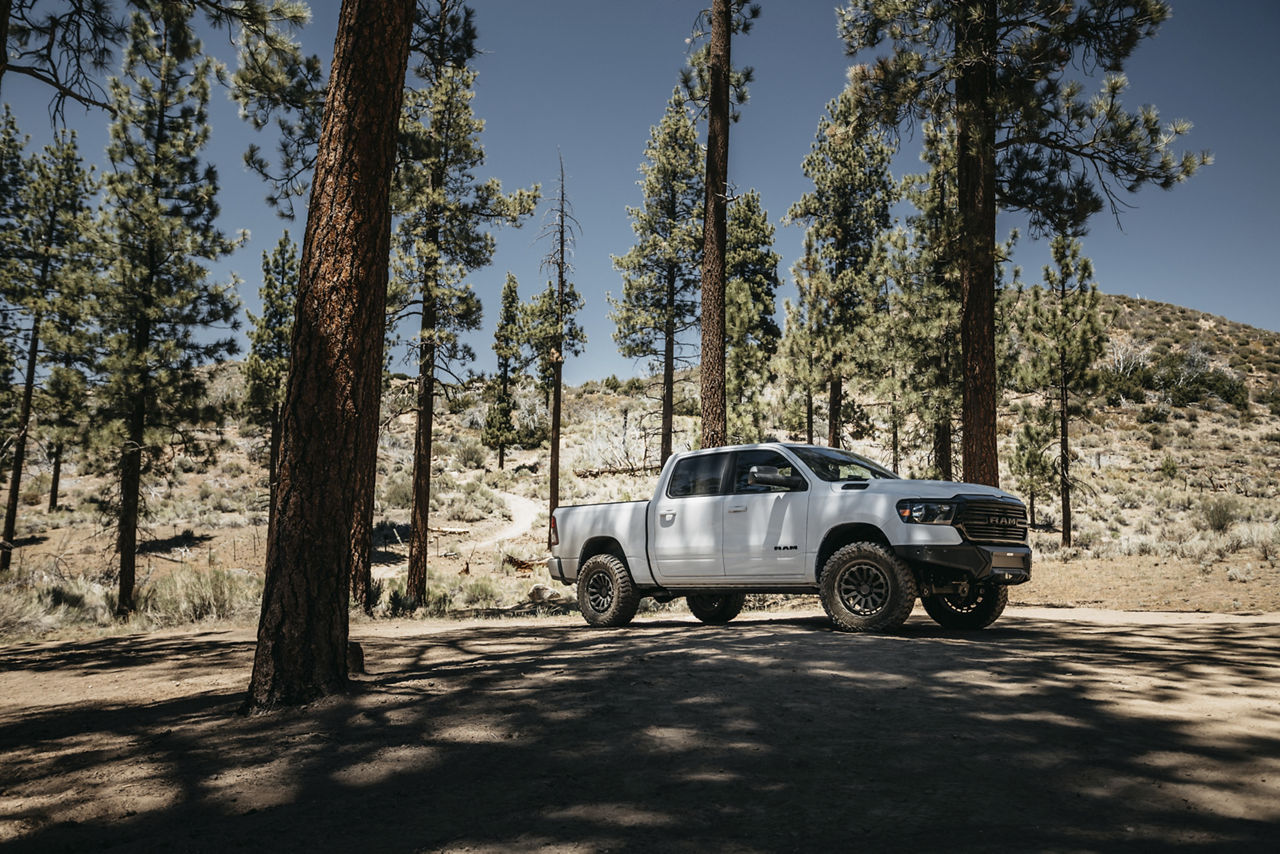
699 475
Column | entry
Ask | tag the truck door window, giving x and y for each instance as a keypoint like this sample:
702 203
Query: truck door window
746 459
699 475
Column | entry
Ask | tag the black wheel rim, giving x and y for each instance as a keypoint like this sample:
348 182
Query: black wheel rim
707 603
864 589
966 604
600 592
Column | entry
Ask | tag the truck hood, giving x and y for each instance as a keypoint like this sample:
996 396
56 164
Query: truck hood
941 489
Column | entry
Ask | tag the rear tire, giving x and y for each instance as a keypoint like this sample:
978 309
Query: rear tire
716 609
606 594
865 588
978 609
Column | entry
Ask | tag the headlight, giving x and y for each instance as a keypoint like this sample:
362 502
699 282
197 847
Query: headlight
926 512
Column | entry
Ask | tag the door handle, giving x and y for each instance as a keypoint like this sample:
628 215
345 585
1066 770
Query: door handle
668 514
738 508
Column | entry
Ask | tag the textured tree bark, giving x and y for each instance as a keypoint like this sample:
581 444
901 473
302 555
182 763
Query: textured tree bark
1064 448
942 448
130 491
668 369
337 354
714 231
835 399
55 457
420 511
976 181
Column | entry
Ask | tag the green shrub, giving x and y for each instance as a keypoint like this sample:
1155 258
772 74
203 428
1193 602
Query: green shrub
1219 514
1169 467
470 455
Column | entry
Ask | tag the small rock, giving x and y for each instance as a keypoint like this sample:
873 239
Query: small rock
542 593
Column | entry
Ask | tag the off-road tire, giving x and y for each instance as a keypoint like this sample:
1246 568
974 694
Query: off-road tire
981 607
865 588
716 609
606 594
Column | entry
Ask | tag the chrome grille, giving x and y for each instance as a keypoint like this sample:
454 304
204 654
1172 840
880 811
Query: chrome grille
993 522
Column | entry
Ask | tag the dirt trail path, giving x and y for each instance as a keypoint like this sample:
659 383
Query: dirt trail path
1055 730
524 512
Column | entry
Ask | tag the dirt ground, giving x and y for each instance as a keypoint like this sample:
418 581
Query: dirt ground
1055 730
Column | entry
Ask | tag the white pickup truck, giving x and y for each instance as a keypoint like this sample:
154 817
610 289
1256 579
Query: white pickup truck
782 518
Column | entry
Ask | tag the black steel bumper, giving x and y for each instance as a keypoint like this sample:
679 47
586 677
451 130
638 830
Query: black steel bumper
997 564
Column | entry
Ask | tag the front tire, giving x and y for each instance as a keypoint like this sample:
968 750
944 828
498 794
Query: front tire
865 588
606 594
716 609
979 608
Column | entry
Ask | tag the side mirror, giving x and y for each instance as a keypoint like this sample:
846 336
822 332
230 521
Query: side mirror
768 476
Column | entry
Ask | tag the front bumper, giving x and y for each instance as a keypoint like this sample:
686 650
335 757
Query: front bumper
998 564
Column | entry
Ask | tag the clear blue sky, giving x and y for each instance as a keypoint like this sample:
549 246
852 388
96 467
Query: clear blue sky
588 78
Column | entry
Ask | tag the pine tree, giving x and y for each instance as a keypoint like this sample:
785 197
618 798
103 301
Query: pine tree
156 316
927 302
847 214
267 367
725 17
442 236
48 271
553 326
799 363
336 364
1031 468
752 333
1065 339
500 431
661 273
13 176
1026 139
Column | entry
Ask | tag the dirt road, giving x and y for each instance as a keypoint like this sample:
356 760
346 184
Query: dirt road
1062 730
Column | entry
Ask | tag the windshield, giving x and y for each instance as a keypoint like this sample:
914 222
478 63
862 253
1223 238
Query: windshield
835 464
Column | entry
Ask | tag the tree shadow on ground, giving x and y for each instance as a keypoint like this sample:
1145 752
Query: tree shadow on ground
769 734
185 540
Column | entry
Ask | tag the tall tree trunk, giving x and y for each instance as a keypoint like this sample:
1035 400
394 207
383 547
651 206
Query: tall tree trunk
130 497
273 464
668 369
553 499
419 515
1064 451
131 460
975 178
302 635
835 397
20 444
55 458
942 455
808 415
365 478
557 351
714 231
